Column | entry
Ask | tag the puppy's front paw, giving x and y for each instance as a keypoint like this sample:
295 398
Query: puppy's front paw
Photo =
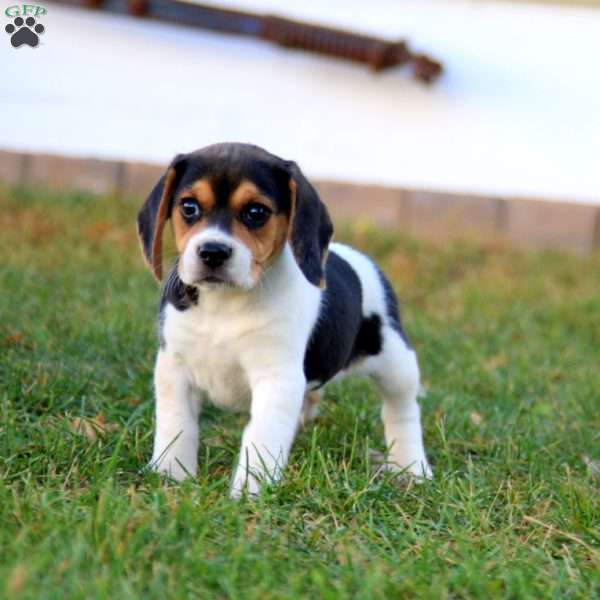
410 463
421 470
173 469
244 482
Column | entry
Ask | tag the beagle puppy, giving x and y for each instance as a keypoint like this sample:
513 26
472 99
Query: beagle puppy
259 311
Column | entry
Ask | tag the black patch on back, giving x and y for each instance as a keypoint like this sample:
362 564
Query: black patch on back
368 340
341 334
174 292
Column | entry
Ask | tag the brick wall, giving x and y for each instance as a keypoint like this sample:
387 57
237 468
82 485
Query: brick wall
431 215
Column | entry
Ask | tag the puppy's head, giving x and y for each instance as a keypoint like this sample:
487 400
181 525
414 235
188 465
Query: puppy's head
233 207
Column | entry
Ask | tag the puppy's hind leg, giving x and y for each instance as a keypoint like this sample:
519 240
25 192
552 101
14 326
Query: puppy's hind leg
396 372
310 408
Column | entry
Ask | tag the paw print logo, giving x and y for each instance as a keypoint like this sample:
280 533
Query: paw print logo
24 32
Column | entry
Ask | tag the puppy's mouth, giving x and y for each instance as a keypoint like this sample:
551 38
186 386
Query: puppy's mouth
214 280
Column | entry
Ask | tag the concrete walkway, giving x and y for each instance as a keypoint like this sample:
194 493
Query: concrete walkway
517 113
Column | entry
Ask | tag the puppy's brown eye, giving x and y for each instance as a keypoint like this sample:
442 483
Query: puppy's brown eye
255 215
190 209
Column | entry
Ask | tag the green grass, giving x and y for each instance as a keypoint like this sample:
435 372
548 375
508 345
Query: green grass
509 344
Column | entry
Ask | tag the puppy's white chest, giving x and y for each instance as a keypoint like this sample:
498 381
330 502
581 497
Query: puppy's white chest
221 377
210 350
232 340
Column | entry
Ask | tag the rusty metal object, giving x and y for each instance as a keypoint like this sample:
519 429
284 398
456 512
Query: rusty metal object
137 8
377 53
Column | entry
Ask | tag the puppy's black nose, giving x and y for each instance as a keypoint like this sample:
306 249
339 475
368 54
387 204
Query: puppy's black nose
214 254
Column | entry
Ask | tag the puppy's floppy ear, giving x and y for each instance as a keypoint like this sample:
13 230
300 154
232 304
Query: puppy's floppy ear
154 213
310 227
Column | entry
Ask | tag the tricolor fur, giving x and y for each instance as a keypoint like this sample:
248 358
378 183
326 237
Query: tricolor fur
260 310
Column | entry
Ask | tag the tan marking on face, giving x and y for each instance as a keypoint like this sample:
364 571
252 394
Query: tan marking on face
247 192
264 242
202 191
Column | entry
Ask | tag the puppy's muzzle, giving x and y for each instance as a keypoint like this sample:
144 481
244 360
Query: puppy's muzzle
214 254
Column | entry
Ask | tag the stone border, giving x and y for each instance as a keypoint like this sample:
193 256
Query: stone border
432 215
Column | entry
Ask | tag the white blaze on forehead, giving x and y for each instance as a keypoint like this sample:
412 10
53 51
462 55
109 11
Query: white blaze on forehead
238 269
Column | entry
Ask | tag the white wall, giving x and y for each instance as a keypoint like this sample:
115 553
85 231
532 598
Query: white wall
518 111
